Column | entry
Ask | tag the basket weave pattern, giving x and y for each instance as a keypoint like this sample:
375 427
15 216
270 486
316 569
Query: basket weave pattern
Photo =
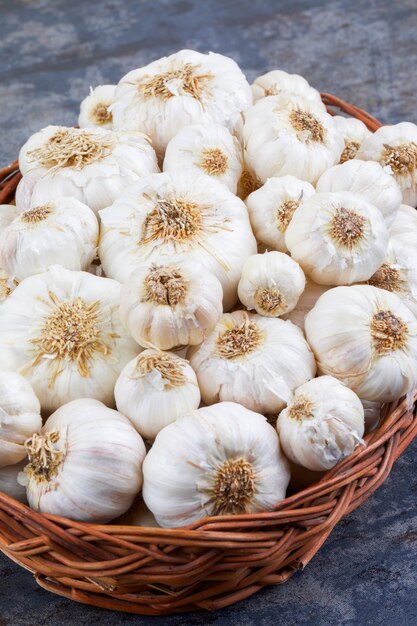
216 561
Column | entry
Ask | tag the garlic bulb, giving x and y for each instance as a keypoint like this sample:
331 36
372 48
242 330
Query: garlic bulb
62 330
92 165
63 231
271 283
367 338
272 206
209 149
278 82
338 238
367 178
306 301
256 361
86 464
7 214
170 305
354 132
404 227
299 139
20 416
322 424
372 414
218 460
185 88
193 218
95 109
9 483
155 389
395 147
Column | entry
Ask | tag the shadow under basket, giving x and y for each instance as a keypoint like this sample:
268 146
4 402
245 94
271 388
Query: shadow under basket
218 560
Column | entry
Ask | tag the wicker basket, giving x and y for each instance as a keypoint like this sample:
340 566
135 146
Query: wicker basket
216 561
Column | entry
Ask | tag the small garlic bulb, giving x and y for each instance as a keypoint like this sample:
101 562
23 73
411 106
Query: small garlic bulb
271 284
9 483
95 109
298 139
338 238
20 416
306 301
367 178
367 338
218 460
372 413
322 424
253 360
155 389
354 132
206 149
395 148
170 305
62 331
404 227
272 206
86 464
279 83
63 231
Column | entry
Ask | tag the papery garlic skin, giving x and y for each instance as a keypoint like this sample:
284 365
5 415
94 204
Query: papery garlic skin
272 206
367 178
177 214
7 214
95 109
62 330
253 360
155 389
271 284
92 469
206 149
372 414
280 83
9 483
338 238
20 416
404 227
312 292
367 338
322 424
218 460
354 133
63 231
299 139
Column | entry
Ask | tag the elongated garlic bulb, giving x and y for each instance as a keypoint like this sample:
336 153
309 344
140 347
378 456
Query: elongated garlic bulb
322 424
271 283
9 483
92 165
218 460
280 83
177 214
63 231
367 178
206 149
20 416
62 330
176 304
185 88
338 238
367 338
298 139
272 206
312 292
155 389
354 132
86 464
256 361
95 109
404 227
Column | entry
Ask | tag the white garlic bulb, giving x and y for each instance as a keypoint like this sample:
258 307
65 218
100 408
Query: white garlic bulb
312 292
155 389
272 206
20 416
218 460
63 231
271 283
395 148
92 165
62 330
367 338
256 361
86 464
367 178
354 132
206 149
404 227
299 139
95 109
280 83
322 424
185 88
9 483
175 304
7 214
338 238
193 218
372 414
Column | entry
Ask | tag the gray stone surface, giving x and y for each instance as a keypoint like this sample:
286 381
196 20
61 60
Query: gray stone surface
365 51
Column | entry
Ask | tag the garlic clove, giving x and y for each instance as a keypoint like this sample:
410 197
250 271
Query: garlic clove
9 483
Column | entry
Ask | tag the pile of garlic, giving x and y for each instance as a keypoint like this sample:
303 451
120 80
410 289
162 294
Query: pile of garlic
206 289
